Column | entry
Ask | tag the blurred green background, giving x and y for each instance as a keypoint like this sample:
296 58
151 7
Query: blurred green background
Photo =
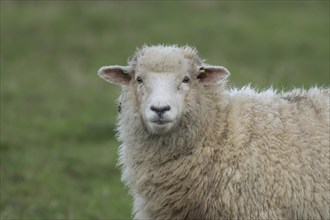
58 145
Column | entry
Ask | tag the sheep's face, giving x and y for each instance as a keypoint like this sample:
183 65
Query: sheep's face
162 99
162 83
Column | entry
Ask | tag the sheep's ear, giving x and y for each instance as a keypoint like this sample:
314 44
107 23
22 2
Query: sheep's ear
115 74
209 75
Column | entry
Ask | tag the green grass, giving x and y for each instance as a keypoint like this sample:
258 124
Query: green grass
58 146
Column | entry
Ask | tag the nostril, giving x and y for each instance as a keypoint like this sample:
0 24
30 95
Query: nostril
160 110
153 108
167 108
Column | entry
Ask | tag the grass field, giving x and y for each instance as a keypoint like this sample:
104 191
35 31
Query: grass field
58 147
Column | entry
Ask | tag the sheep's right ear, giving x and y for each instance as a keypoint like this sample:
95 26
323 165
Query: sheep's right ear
115 74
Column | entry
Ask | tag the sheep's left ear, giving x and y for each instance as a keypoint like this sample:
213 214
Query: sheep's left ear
209 75
116 74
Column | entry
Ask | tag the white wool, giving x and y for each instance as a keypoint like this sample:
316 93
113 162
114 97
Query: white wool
232 153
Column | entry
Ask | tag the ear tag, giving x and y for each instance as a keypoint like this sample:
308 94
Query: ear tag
202 73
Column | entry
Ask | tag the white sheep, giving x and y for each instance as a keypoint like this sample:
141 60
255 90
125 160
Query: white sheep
193 149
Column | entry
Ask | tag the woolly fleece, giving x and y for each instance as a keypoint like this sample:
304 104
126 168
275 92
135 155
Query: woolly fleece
236 153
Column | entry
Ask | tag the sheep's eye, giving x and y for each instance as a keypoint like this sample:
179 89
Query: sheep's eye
186 79
139 80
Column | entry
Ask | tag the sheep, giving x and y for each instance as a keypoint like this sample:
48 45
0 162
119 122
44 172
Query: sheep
194 149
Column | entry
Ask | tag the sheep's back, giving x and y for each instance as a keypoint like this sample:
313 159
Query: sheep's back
282 142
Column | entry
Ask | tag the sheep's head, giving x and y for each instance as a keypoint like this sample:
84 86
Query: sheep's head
162 78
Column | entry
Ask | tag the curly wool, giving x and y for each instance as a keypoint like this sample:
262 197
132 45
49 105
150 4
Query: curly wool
236 153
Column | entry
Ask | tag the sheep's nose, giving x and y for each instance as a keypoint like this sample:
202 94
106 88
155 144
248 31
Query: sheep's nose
160 110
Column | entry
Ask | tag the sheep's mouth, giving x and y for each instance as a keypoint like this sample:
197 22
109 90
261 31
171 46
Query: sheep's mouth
160 121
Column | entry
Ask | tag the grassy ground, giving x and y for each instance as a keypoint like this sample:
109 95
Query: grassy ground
58 147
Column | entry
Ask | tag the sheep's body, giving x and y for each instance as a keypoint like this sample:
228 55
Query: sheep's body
235 154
